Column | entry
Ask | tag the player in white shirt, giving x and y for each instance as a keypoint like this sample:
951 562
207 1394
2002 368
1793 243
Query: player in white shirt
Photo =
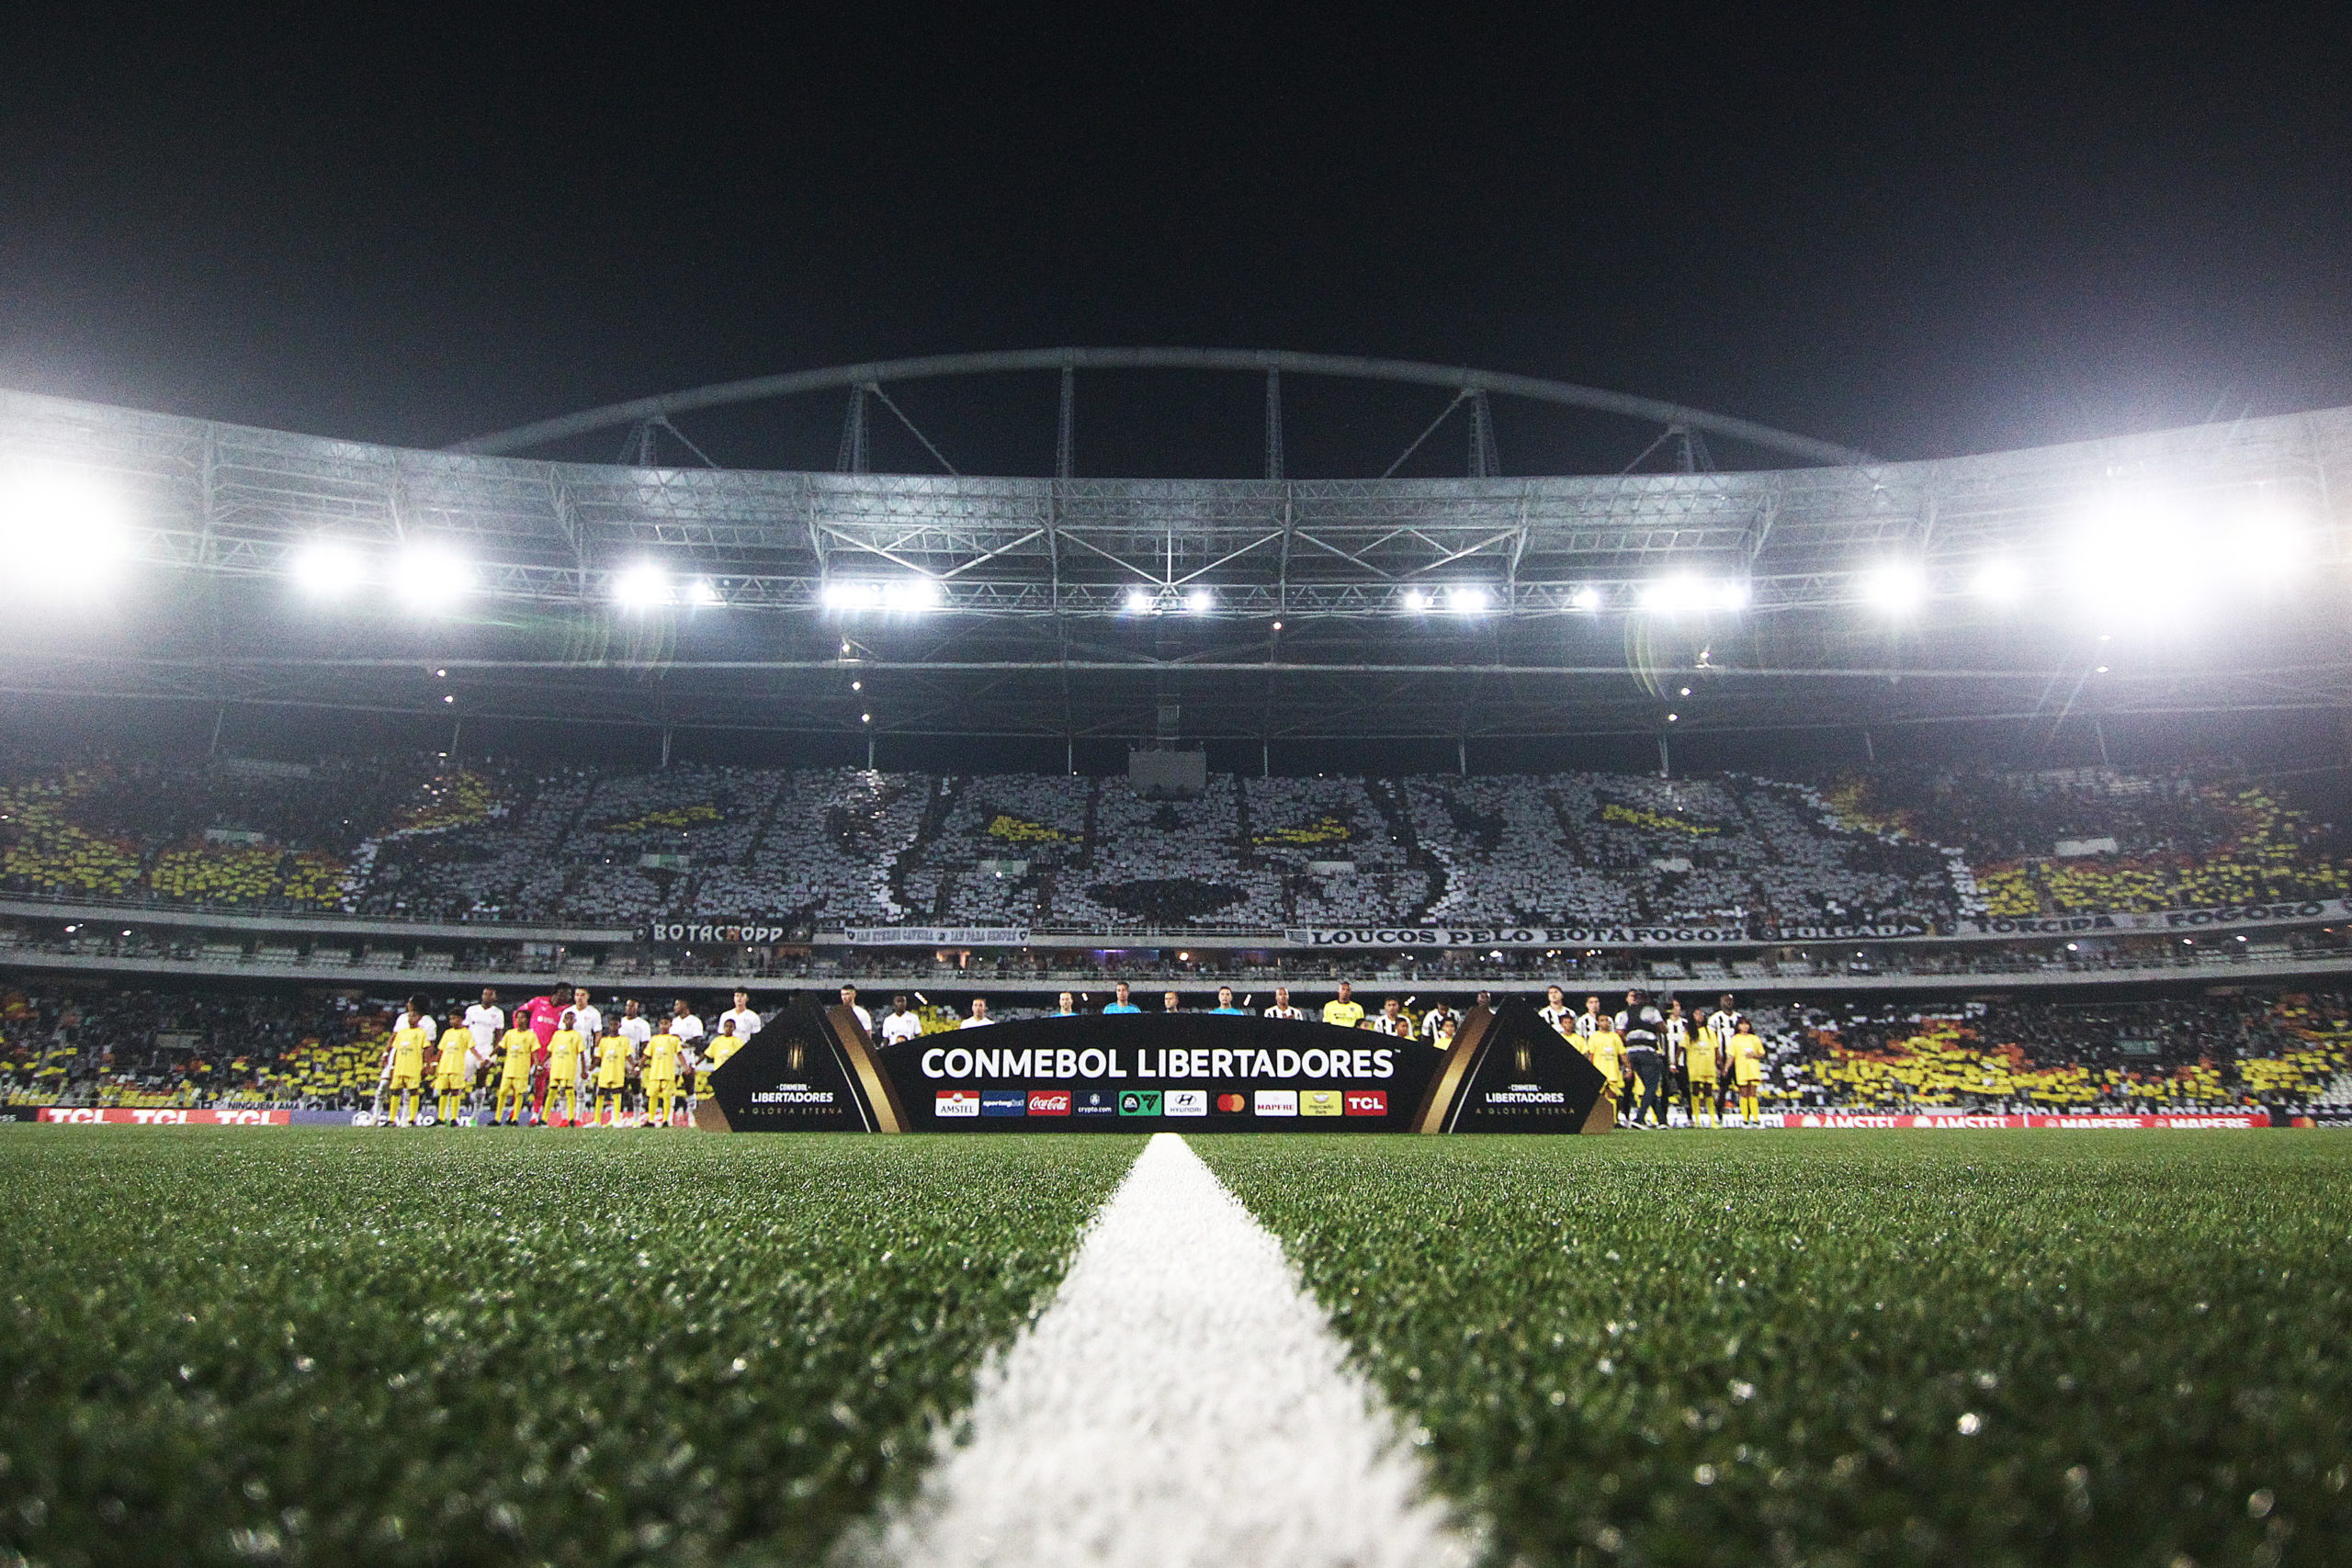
689 1030
898 1025
1554 1011
979 1019
1282 1008
635 1027
864 1019
585 1018
486 1021
746 1021
1588 1021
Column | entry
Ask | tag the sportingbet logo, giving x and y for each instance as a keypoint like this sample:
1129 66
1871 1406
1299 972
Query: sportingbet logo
1096 1102
957 1102
1365 1102
1277 1102
1318 1102
1231 1104
1049 1102
1140 1103
1188 1102
1003 1102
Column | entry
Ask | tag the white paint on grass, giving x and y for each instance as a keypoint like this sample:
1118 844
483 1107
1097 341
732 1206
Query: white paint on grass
1181 1401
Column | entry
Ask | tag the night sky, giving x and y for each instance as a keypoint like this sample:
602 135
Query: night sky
1999 227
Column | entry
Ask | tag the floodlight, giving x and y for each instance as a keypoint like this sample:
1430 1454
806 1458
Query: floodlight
1667 595
1897 588
1468 599
1999 581
1200 601
63 533
1139 602
642 586
702 591
853 595
1416 600
2266 550
326 569
910 595
427 575
1731 595
1587 599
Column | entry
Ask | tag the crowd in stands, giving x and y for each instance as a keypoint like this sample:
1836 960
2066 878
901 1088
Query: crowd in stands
428 839
2100 839
2205 1053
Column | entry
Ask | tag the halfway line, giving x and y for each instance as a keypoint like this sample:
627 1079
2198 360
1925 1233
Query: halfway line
1181 1401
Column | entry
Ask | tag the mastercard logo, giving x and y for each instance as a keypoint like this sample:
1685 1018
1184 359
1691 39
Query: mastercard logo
1231 1104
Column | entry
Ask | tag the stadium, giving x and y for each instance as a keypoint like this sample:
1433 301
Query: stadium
1854 830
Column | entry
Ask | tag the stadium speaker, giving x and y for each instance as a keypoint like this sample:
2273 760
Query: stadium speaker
1510 1072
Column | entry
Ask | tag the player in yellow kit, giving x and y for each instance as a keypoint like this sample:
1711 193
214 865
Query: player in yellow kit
564 1050
518 1045
1605 1049
453 1071
613 1055
1746 1052
1703 1065
661 1078
408 1040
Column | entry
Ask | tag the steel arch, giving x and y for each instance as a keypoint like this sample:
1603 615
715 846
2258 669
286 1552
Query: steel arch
762 389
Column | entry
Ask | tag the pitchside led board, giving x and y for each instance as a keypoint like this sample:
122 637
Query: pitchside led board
1200 1072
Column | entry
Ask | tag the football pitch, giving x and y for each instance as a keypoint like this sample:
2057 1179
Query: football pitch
281 1345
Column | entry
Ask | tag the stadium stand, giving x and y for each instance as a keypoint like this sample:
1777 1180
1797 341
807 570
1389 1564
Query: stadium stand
422 839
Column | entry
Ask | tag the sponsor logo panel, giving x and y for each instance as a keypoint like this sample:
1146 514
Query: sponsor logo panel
1096 1102
1277 1102
1049 1102
1004 1102
1231 1104
957 1102
1188 1102
1140 1103
1318 1102
1365 1102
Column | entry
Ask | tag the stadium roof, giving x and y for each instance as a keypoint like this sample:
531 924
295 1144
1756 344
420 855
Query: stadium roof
2184 571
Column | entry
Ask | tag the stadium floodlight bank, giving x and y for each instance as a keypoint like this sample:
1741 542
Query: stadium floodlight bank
1274 609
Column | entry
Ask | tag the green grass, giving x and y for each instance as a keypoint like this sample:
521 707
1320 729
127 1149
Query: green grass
329 1347
1849 1348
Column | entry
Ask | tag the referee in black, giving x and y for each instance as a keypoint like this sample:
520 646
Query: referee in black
1638 1026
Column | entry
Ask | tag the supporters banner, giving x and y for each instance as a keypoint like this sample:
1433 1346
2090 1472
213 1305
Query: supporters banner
92 1115
938 936
1951 1124
1522 936
2284 913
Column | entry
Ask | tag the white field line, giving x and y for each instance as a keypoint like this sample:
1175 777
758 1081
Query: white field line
1180 1401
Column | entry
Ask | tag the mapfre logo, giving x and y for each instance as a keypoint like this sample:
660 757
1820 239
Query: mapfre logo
1049 1102
1365 1102
957 1102
1277 1102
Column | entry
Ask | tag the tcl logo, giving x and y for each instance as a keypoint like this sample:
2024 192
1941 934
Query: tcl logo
1367 1102
1049 1102
72 1113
